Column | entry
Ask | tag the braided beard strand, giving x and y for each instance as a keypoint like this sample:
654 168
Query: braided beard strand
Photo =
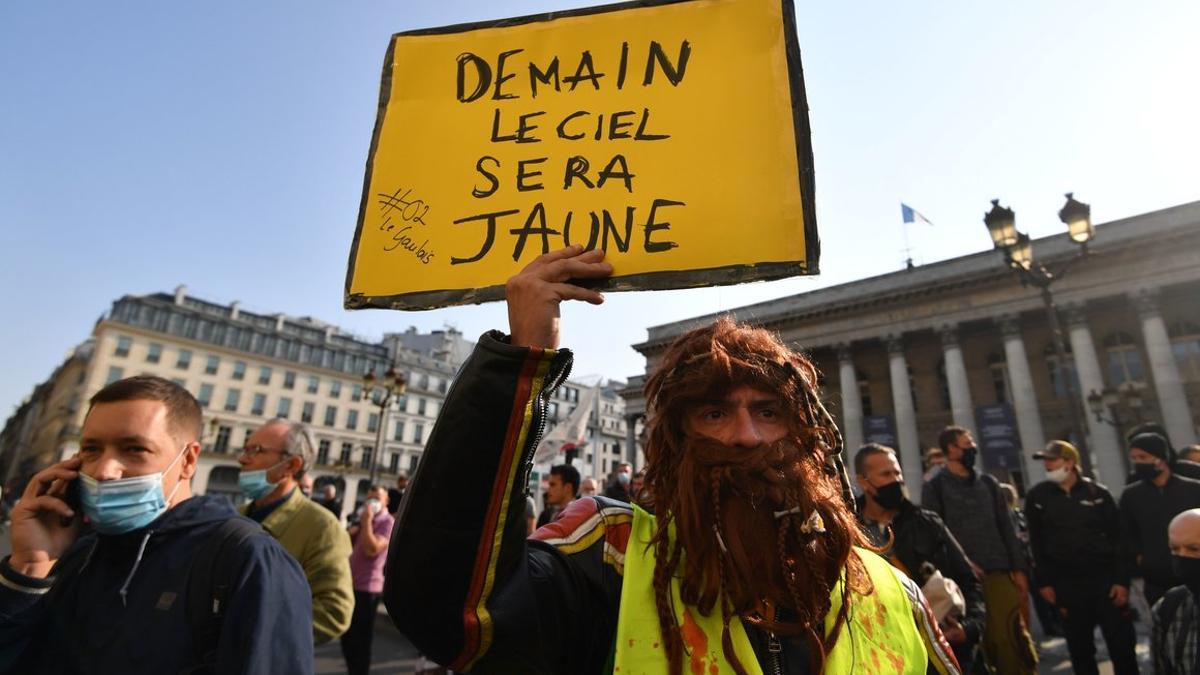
730 538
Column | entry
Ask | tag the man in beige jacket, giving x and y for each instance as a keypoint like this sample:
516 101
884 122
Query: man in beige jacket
274 457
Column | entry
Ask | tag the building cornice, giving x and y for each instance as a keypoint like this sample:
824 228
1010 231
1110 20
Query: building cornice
965 273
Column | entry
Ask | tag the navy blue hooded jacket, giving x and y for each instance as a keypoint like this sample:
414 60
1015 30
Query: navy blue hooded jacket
124 610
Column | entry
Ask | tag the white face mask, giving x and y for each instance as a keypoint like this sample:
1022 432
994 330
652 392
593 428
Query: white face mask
1058 475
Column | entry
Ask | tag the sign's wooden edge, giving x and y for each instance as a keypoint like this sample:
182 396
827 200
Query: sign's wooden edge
650 281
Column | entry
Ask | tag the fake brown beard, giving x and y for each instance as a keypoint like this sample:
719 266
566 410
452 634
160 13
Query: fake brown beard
725 509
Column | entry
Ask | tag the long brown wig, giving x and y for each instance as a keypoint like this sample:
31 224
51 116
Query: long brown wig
732 507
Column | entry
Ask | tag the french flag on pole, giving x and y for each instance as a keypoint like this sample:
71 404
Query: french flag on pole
912 215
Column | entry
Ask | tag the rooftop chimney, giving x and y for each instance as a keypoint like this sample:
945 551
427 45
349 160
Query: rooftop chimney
180 294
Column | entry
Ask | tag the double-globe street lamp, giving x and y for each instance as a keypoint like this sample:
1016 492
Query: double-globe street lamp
383 391
1017 249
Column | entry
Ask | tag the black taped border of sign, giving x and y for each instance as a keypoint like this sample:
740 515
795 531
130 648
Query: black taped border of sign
693 278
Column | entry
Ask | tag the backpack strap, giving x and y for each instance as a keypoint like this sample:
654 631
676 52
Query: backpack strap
211 578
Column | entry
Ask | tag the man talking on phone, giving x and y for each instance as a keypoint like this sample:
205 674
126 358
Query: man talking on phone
117 567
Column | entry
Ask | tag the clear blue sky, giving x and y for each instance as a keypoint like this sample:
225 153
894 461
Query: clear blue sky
221 145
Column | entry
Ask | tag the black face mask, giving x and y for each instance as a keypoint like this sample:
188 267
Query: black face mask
968 456
890 496
1145 471
1188 571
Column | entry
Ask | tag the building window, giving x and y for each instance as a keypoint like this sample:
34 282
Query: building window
399 432
231 400
264 375
351 419
864 394
1056 382
154 355
943 386
114 374
123 345
1124 359
347 450
413 461
356 392
210 366
421 406
239 370
259 405
330 415
367 452
306 413
205 397
289 380
221 444
335 389
1185 343
418 433
394 463
184 360
442 386
1000 384
180 382
323 452
246 437
284 409
372 422
314 383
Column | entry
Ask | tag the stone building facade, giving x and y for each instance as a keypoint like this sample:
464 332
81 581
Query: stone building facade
962 342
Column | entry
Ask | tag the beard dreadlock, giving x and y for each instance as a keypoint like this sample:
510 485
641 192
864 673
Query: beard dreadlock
735 509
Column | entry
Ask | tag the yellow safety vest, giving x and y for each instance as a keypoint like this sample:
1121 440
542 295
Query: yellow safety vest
879 636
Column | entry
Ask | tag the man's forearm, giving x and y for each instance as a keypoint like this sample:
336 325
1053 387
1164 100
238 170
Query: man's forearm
372 542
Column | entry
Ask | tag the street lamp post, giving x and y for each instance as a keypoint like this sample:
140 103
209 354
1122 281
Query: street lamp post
387 389
1017 249
1110 400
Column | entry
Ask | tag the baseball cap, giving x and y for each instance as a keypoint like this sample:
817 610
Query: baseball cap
1058 450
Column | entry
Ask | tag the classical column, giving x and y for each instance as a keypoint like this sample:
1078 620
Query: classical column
1172 401
1105 445
852 421
631 440
1025 405
961 408
906 418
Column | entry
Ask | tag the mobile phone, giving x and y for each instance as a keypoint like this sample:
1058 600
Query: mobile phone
71 496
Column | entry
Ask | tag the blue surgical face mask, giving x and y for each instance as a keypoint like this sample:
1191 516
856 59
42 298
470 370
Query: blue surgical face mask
254 484
126 504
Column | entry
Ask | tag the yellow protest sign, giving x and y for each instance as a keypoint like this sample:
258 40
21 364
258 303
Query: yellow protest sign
674 135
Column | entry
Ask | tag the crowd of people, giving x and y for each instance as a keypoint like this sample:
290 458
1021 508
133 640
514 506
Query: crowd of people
742 546
1073 545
